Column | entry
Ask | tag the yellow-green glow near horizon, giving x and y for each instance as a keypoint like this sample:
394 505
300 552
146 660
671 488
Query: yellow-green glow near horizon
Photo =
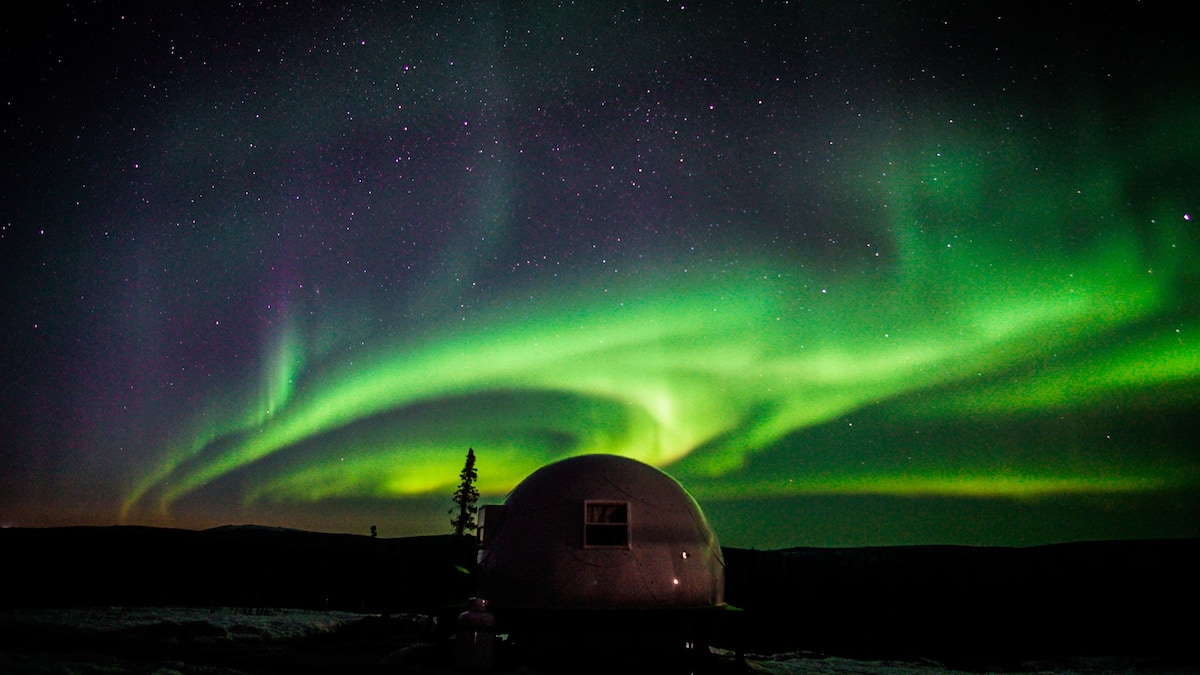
701 367
966 484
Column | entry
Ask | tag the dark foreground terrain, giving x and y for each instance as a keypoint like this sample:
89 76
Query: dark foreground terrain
262 600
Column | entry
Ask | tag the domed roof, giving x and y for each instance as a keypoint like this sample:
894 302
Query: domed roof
600 531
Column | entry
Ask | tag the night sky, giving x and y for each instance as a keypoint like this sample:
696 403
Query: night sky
902 273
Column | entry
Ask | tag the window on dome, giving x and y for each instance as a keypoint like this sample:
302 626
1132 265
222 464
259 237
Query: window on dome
605 524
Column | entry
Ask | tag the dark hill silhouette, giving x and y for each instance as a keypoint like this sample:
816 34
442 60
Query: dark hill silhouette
971 606
235 566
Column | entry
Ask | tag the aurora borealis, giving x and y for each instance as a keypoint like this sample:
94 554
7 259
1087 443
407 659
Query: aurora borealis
902 273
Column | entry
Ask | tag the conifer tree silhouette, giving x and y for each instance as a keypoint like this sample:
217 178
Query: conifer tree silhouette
466 497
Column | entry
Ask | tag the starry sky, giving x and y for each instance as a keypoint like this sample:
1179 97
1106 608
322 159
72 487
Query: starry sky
854 274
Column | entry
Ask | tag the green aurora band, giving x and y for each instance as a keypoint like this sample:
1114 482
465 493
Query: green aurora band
1002 283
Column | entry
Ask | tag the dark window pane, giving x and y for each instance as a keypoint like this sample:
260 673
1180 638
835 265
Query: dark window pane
606 524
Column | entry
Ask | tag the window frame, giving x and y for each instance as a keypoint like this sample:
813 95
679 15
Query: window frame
602 533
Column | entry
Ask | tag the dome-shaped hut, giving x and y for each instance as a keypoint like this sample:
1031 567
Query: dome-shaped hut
600 532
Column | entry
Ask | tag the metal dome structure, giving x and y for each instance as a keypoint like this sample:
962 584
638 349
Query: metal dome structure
600 532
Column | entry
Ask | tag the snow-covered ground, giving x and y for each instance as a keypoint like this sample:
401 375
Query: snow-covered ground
785 664
222 623
201 641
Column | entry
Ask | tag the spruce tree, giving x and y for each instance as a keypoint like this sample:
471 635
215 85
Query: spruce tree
465 497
